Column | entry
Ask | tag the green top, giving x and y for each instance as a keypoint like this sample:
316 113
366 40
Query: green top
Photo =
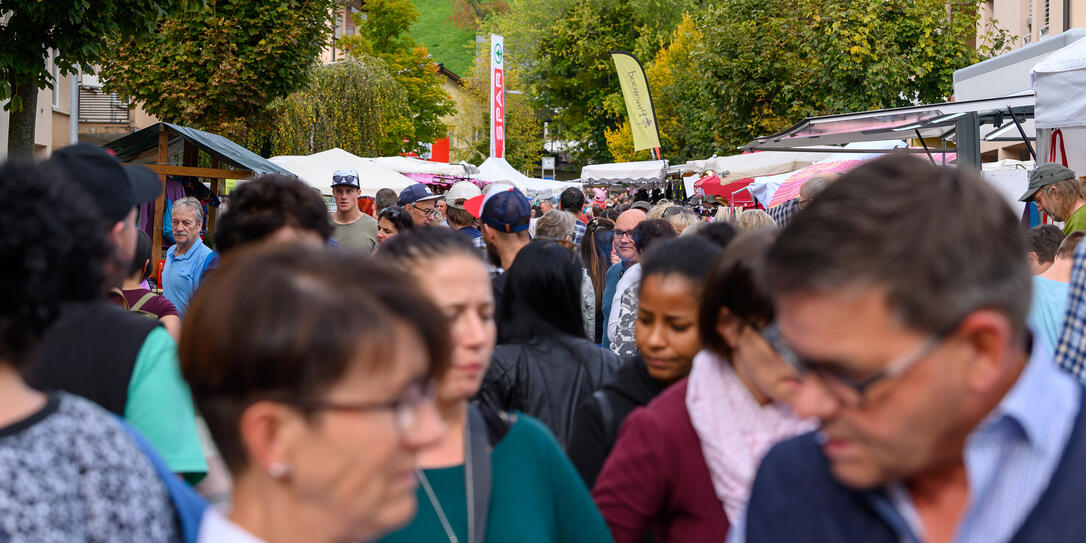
1077 221
536 496
160 406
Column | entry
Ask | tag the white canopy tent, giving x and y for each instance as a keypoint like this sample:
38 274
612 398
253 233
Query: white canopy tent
497 169
317 169
624 172
1059 81
736 167
403 164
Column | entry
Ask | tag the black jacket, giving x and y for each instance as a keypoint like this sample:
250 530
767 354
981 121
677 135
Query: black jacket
547 379
593 437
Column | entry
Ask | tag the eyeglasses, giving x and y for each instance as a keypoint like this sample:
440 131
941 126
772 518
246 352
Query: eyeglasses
405 408
428 212
849 391
623 233
348 179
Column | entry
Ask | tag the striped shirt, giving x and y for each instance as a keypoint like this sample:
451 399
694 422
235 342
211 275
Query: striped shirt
1011 456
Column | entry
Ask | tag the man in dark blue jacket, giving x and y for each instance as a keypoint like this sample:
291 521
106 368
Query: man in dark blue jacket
902 297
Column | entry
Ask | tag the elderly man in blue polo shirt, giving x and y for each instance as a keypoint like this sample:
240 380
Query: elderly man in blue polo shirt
188 259
901 298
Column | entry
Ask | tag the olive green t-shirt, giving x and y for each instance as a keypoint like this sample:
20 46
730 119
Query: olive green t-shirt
360 234
1077 221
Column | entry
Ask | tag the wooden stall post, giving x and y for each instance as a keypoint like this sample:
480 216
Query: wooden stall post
160 203
212 211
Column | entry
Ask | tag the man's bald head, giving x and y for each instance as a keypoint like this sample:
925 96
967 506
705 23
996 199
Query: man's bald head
624 243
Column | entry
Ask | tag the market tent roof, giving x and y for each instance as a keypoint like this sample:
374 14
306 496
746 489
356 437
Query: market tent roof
403 164
624 172
141 147
746 165
1059 81
930 121
498 169
317 169
764 189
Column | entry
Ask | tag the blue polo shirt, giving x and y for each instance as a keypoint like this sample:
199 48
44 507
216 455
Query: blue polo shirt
181 274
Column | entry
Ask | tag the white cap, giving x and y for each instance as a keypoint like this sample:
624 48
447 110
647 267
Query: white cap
463 190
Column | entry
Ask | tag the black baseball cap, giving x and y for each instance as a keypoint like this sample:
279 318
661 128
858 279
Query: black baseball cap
116 188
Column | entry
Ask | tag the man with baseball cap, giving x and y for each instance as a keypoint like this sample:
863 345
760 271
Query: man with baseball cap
504 213
118 359
353 229
418 200
1057 191
458 217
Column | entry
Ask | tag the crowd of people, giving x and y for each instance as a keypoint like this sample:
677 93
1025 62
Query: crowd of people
897 360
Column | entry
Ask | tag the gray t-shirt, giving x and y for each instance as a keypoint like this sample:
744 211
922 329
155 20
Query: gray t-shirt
360 235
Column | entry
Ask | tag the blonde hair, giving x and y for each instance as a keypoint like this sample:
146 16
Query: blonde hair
752 219
682 220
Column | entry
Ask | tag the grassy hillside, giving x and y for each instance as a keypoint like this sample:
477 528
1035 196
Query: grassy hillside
454 47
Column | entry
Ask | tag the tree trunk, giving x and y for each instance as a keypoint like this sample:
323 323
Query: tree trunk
21 123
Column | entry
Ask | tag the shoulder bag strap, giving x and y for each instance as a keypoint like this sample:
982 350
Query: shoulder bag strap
477 473
607 415
146 298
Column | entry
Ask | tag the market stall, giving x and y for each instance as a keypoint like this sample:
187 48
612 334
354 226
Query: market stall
624 173
316 171
425 171
1060 115
497 169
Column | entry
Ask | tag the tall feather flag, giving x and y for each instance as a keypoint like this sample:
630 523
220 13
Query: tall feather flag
635 91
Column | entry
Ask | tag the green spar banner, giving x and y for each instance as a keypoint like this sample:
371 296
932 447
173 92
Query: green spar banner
635 90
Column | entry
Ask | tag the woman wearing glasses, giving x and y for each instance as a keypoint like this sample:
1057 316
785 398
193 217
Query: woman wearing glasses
683 466
493 476
315 386
392 221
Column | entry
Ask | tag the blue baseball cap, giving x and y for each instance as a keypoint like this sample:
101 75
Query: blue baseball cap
418 192
501 207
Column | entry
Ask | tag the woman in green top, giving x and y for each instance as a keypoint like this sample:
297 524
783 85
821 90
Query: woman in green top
534 492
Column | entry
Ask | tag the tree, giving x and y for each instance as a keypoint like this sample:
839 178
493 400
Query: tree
469 14
355 105
217 62
382 33
75 30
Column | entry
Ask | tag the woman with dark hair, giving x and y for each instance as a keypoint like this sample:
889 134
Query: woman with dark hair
133 297
683 465
392 221
317 389
543 364
596 247
532 488
72 470
667 340
620 326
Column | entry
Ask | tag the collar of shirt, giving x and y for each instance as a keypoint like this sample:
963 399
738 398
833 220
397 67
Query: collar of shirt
172 253
1010 456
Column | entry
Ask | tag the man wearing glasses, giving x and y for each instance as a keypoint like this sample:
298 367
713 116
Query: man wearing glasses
626 251
353 229
902 298
419 202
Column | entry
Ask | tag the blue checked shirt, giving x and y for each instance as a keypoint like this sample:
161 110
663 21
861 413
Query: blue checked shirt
578 231
1071 347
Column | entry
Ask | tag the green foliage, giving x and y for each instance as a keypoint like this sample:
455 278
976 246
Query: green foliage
218 61
355 105
382 32
75 29
748 68
452 45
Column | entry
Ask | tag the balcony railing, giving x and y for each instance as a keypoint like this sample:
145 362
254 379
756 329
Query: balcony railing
99 107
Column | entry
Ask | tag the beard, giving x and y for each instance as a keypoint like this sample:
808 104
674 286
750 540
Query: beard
492 255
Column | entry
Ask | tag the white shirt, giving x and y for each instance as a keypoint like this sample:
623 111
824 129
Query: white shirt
216 528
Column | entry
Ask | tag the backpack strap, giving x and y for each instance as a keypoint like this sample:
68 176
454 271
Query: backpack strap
146 298
607 416
477 474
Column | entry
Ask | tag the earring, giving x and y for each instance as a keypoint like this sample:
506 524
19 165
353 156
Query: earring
279 470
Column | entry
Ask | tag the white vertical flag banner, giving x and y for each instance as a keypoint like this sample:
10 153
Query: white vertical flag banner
497 96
